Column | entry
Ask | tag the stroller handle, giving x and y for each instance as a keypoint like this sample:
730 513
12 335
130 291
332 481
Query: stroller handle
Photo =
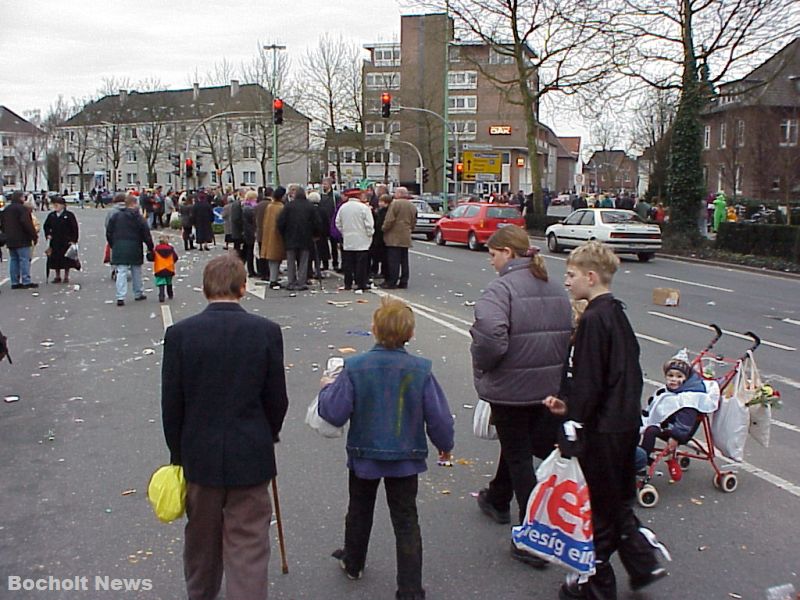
756 340
715 339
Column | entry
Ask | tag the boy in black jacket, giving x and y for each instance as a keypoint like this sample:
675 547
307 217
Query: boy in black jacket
603 392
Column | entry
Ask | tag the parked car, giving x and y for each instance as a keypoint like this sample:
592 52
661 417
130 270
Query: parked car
622 230
561 200
473 223
72 198
426 218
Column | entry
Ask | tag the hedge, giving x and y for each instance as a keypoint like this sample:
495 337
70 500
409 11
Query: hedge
760 239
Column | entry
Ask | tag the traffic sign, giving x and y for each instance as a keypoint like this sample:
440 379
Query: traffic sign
482 166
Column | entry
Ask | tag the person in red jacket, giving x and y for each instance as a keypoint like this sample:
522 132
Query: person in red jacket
164 267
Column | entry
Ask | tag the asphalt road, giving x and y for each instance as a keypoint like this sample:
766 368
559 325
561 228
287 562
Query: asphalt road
86 432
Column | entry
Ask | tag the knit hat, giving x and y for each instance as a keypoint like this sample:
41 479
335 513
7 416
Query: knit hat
679 362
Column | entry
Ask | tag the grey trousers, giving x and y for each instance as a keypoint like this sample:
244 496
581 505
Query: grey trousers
227 527
274 270
297 263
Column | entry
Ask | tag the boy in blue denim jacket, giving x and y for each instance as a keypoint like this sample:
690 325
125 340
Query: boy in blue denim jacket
390 398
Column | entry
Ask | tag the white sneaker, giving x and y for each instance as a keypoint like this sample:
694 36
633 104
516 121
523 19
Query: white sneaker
359 291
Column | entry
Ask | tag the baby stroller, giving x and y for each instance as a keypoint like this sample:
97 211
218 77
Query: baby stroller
699 449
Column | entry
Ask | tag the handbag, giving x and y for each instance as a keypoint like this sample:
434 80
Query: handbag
745 390
558 519
731 422
482 421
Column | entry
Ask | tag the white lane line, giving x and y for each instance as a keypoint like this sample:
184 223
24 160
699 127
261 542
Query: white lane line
702 285
166 316
778 482
780 379
561 258
792 321
786 425
423 311
430 256
726 331
434 311
4 281
655 340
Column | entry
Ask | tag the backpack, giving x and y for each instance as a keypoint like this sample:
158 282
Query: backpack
4 348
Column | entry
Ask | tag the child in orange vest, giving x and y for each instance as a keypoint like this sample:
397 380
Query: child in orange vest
164 267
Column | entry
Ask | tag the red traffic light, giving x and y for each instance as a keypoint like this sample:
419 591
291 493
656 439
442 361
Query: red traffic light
189 162
386 98
460 167
277 104
386 105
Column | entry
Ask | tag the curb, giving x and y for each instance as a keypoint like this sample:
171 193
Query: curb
713 263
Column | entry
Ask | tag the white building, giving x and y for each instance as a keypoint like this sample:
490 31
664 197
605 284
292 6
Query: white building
23 150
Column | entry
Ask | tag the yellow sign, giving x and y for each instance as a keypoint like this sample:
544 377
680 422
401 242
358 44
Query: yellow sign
482 166
500 130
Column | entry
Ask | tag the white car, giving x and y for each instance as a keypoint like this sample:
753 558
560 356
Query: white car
426 218
622 230
73 198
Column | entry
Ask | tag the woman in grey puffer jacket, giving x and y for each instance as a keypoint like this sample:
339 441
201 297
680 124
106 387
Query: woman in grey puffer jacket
520 341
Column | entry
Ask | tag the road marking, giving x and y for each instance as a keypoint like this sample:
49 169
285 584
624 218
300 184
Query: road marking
434 310
778 482
786 425
702 285
561 258
430 256
792 321
259 291
652 339
4 281
423 311
166 316
780 379
726 331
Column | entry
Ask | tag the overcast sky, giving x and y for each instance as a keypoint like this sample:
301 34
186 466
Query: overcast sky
52 47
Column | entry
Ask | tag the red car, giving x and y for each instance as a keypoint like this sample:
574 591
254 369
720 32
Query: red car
473 223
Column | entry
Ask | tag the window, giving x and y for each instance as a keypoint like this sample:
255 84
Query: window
464 130
472 211
574 218
495 212
9 180
132 133
788 132
100 159
737 181
9 161
721 178
462 80
249 128
723 134
249 152
707 137
249 177
776 184
386 57
383 81
454 53
501 57
588 218
740 133
213 177
130 178
462 104
7 141
130 156
71 157
373 128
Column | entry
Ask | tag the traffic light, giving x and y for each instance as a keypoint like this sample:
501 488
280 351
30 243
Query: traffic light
277 111
175 160
386 105
189 165
459 171
425 175
450 168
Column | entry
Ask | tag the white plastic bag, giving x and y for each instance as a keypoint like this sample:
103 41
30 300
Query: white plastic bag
72 252
729 428
313 420
760 423
175 220
558 520
745 387
481 421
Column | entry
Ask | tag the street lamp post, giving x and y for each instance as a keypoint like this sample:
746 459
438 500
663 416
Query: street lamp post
274 48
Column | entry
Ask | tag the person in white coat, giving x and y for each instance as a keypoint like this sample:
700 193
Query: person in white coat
355 221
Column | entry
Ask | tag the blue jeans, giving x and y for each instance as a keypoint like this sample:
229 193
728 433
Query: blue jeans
19 266
122 280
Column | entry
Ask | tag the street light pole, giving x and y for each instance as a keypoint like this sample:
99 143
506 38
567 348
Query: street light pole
274 48
446 140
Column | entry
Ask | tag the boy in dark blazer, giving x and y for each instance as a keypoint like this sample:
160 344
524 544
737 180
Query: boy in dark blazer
223 401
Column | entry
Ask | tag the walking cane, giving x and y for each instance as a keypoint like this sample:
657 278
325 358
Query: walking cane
281 542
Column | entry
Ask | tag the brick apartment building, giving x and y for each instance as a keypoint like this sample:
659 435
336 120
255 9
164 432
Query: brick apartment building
750 139
612 172
481 117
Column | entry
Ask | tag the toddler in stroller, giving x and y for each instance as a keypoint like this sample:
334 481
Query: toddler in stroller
674 410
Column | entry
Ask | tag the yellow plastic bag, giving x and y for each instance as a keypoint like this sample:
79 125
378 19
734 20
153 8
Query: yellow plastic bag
167 493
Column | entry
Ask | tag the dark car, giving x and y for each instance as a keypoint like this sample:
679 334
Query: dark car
473 223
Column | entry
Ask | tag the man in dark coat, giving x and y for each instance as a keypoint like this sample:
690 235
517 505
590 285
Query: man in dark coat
17 225
298 224
126 232
330 200
203 219
222 412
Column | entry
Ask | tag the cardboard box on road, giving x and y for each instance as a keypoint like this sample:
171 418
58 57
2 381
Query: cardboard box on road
666 296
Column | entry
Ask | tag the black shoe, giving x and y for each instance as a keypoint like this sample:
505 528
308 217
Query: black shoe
338 270
120 302
637 583
17 286
142 297
30 286
387 286
340 556
161 299
300 288
499 516
402 286
528 559
571 591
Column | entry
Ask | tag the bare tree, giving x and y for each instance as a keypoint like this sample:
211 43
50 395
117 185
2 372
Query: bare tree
651 131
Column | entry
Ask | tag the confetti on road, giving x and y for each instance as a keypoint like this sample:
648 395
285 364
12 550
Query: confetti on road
11 399
347 350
